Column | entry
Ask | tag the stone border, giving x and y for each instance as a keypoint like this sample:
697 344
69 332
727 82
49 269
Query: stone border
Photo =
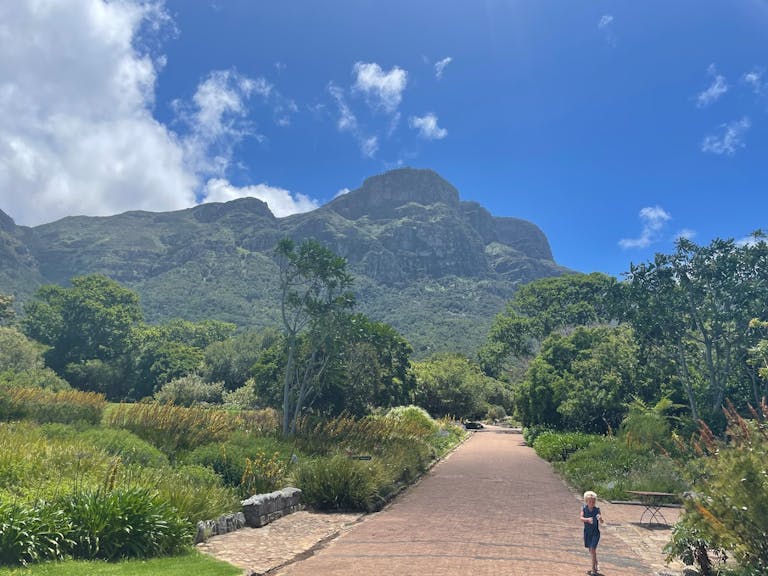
262 509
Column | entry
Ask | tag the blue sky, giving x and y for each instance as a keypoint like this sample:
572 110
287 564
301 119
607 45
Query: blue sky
615 126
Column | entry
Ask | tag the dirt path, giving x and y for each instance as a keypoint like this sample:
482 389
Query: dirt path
491 507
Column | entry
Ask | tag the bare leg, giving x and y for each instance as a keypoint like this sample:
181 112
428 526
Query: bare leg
593 554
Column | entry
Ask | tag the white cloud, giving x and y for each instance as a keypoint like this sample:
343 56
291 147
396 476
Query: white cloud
754 79
382 90
686 233
605 21
347 122
440 66
427 127
730 139
369 146
76 132
715 91
342 192
653 218
280 201
605 25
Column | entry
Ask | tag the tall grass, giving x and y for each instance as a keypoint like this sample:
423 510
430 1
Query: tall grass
177 429
41 405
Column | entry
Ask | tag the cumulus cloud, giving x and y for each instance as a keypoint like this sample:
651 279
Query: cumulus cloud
440 66
77 134
729 140
714 91
382 90
280 201
427 127
654 219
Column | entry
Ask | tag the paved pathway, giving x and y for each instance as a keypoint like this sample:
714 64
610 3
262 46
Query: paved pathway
492 507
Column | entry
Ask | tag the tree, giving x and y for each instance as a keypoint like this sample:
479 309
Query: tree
231 360
6 308
539 308
171 350
314 289
91 320
453 385
695 307
580 381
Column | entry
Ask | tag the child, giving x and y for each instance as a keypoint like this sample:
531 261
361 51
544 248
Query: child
591 518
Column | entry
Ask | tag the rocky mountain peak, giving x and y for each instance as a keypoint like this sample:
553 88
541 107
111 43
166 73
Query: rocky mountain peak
380 196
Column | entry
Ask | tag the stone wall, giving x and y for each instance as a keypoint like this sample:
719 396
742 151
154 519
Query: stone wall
258 511
264 508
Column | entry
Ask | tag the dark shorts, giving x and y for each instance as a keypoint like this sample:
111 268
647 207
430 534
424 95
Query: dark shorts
591 538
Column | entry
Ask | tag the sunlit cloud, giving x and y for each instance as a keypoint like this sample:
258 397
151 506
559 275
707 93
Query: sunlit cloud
605 25
77 135
440 66
714 91
754 80
729 140
427 127
280 201
653 219
347 122
382 90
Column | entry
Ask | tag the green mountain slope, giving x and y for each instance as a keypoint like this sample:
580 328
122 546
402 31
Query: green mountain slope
436 268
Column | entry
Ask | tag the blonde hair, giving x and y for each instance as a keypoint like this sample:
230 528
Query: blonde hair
589 494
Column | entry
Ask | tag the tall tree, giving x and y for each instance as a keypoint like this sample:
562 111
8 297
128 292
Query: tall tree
699 302
539 308
581 381
90 321
315 294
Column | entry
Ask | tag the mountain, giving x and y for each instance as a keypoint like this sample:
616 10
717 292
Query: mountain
436 268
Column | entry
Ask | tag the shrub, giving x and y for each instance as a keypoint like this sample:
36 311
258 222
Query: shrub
250 463
412 419
245 397
32 533
557 446
123 523
196 492
190 390
730 499
530 433
339 483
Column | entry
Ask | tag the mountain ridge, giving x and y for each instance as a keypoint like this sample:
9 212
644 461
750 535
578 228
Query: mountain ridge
413 245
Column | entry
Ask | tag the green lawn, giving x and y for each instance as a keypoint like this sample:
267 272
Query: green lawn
192 563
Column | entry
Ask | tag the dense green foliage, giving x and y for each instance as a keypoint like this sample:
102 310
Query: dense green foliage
452 385
580 381
691 312
539 308
728 507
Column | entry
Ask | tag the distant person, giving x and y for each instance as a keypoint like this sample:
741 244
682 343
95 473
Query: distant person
591 518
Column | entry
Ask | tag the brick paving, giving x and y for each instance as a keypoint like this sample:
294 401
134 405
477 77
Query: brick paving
492 507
